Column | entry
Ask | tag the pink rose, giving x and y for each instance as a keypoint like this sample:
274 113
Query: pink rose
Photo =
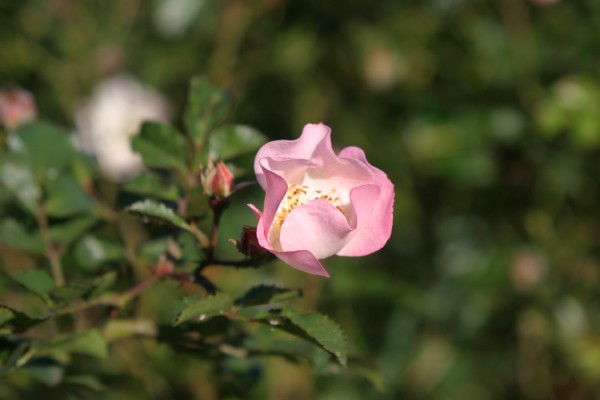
318 203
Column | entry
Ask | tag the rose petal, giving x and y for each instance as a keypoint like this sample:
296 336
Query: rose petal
276 188
373 217
353 152
302 260
356 153
255 210
316 226
314 142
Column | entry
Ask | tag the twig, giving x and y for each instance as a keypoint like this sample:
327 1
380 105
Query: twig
51 251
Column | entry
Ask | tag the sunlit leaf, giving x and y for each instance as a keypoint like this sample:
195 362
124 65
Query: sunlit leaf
13 234
18 354
194 309
87 381
66 197
5 315
230 141
45 370
19 180
158 211
71 291
19 322
152 185
36 281
208 107
71 230
89 343
161 146
103 283
313 327
92 251
46 146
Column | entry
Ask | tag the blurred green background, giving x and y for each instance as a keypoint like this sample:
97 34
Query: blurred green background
484 114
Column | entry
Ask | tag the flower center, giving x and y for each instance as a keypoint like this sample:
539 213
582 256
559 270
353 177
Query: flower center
298 195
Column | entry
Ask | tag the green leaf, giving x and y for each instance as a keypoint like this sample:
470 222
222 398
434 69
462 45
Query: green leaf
313 327
20 322
158 211
86 381
153 185
71 230
267 341
191 253
19 180
89 343
6 315
65 197
267 294
46 146
103 283
36 281
19 354
161 146
46 370
208 107
70 292
193 309
14 235
230 141
152 250
92 251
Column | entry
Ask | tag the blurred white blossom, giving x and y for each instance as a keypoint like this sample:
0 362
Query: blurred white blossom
111 117
172 18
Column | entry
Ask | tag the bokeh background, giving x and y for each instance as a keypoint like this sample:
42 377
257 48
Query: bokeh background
484 114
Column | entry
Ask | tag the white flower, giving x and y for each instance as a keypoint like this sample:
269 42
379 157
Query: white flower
111 117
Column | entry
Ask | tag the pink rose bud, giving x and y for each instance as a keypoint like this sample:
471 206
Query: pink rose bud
319 203
216 179
17 106
248 244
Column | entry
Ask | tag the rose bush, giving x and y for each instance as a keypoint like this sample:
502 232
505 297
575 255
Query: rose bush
319 203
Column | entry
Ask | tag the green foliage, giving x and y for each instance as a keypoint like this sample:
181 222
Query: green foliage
91 261
161 146
208 106
15 235
483 114
231 141
201 309
158 212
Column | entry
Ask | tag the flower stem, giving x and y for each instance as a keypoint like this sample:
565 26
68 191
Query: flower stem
52 252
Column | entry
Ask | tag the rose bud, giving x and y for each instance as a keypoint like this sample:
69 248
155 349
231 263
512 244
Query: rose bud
17 106
319 203
216 179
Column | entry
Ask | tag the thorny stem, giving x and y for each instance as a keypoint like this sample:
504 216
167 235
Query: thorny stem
52 251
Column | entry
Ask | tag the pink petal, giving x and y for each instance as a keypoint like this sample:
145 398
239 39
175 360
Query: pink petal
302 260
276 188
356 153
317 226
353 152
255 210
261 235
314 142
373 217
